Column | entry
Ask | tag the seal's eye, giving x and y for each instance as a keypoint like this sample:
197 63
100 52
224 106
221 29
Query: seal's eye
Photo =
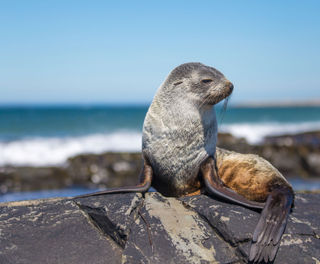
177 83
206 81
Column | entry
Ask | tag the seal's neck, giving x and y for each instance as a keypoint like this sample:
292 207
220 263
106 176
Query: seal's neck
182 112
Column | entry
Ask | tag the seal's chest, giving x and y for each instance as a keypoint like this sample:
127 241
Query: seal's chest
177 145
179 157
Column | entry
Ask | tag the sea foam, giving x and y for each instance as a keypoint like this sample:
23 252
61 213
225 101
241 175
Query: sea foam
46 151
254 133
55 151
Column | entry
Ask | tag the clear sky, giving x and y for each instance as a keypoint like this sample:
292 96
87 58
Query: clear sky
121 51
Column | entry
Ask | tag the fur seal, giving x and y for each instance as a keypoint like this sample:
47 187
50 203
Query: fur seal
180 155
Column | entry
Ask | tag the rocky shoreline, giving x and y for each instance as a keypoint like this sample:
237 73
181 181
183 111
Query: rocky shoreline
131 228
295 156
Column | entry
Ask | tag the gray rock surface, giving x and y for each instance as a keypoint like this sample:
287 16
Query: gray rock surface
52 231
130 228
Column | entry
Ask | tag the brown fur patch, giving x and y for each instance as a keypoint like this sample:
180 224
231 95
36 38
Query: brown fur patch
248 175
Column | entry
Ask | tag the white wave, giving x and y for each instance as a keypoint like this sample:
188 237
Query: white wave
255 132
55 151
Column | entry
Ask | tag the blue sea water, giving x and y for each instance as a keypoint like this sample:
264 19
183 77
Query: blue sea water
31 195
48 135
62 121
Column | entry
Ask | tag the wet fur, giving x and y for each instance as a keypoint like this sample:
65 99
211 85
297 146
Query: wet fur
249 175
180 128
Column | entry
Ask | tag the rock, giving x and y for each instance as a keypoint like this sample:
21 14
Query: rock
52 231
15 179
228 141
91 170
307 138
169 232
130 228
313 162
105 170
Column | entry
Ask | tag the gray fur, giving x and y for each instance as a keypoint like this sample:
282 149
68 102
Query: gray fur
180 128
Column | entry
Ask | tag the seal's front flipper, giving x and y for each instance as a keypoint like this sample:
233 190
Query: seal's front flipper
216 187
145 183
271 225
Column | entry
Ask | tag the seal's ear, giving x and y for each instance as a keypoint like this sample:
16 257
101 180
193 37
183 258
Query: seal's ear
177 83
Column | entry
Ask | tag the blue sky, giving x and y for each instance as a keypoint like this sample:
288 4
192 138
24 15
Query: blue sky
121 51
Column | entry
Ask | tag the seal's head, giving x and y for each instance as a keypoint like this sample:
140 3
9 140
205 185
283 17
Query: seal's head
201 84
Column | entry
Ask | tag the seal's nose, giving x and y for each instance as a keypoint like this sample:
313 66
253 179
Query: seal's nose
230 85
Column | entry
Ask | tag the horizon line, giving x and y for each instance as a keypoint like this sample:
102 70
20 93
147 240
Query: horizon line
251 104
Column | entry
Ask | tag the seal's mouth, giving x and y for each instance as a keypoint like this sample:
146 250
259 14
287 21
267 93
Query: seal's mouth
224 94
218 94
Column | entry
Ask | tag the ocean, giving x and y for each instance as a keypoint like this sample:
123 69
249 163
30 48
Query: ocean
48 135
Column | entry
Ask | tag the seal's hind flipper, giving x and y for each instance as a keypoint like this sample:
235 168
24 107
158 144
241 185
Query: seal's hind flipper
145 184
271 225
